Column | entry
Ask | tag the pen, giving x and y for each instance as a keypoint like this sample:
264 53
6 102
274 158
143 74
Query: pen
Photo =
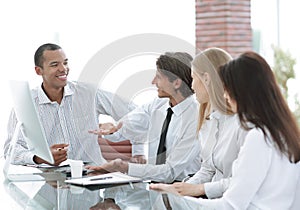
101 178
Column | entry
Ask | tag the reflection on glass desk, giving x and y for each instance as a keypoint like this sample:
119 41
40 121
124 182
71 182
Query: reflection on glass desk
54 193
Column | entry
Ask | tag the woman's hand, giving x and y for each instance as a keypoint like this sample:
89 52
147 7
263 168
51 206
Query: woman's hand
184 188
164 188
180 188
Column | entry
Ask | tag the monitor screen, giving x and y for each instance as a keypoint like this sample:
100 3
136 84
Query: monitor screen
26 113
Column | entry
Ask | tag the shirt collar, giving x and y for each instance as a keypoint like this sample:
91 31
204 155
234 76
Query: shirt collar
43 98
218 116
182 106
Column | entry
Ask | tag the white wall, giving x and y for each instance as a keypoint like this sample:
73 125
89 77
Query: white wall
81 28
84 27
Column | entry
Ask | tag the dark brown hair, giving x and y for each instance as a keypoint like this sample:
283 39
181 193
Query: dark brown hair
250 81
177 65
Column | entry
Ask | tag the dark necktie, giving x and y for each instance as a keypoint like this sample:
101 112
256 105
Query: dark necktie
161 152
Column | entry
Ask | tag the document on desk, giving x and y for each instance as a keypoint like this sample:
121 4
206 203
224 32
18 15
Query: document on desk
105 179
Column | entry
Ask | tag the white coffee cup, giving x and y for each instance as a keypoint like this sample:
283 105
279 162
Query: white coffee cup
76 168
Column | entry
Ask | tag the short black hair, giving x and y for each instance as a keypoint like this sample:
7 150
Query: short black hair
38 55
177 65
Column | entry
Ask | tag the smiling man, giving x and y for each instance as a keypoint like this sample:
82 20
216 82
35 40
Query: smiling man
67 110
168 124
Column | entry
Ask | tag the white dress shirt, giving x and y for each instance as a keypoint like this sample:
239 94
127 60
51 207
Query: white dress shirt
221 138
70 121
262 178
145 123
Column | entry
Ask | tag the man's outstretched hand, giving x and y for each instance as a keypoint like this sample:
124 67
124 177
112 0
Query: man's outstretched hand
106 129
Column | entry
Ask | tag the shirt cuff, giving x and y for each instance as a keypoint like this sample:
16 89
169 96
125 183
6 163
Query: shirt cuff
213 190
136 170
138 149
192 180
29 159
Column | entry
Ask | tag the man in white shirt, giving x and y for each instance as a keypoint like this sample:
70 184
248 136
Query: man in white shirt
67 110
173 80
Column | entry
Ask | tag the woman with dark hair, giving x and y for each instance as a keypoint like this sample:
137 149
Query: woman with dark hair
266 173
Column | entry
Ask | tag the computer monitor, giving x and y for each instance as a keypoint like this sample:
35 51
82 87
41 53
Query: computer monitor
29 121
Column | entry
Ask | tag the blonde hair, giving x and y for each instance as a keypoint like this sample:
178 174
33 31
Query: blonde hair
209 61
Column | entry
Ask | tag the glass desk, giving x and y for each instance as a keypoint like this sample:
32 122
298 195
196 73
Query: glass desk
53 193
